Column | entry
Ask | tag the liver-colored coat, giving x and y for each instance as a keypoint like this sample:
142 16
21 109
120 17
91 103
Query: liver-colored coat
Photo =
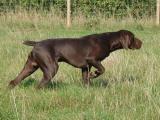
83 53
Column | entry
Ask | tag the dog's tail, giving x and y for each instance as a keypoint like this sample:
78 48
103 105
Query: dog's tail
30 43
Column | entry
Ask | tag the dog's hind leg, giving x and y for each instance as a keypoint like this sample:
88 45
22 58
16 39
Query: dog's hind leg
49 66
49 71
30 67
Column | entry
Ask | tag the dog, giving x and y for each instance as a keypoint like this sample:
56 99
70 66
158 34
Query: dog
84 52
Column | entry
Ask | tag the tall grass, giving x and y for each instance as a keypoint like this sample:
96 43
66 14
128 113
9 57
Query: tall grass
128 90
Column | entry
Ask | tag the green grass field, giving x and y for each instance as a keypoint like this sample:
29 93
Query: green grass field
128 90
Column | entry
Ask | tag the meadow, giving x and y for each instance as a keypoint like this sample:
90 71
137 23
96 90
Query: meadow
128 90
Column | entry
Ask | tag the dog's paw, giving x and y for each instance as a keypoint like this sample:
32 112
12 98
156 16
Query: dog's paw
94 75
12 84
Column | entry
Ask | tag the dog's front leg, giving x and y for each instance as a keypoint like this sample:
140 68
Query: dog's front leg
100 69
49 71
85 75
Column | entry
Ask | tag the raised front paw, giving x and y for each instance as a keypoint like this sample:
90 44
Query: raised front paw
94 74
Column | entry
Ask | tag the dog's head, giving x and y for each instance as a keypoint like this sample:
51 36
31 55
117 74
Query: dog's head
129 41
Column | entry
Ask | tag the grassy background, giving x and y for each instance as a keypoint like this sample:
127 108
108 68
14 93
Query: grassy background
129 89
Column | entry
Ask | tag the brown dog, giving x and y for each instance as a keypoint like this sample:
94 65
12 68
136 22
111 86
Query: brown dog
83 53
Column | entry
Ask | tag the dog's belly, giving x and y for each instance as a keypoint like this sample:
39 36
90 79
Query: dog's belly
73 55
75 60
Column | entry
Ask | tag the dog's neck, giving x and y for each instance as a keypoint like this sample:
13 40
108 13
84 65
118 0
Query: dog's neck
115 45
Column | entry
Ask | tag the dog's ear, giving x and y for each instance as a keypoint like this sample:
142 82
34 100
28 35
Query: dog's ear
125 40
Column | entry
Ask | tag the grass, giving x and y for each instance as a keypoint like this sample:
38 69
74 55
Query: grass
129 89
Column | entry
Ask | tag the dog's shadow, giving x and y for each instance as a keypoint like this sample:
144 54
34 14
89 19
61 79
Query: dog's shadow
29 82
51 85
97 83
104 82
58 85
100 83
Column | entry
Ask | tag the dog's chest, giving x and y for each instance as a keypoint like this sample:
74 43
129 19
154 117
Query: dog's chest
99 52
